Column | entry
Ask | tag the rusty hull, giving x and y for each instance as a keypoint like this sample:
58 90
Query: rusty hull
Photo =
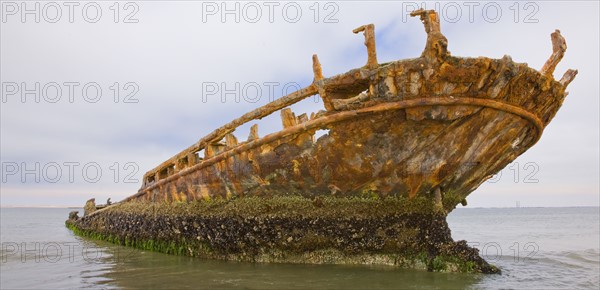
436 126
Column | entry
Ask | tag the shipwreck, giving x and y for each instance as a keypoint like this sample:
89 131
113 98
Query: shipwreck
407 142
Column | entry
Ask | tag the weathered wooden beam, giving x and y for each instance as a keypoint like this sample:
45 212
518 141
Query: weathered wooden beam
559 46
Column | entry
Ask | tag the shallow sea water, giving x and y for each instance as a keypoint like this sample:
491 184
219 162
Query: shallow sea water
534 247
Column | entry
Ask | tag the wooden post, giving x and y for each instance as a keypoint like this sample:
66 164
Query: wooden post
288 118
559 46
231 141
253 133
369 33
317 70
436 48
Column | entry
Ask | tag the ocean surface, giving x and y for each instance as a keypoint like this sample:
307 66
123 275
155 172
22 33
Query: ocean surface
536 248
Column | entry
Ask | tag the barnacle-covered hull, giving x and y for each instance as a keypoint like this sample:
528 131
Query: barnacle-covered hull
405 143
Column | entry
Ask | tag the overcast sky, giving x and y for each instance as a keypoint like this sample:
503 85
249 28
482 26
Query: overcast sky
168 58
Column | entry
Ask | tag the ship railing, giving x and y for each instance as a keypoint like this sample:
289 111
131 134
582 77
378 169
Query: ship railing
212 144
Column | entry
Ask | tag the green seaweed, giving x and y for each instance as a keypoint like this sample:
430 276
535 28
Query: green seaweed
277 229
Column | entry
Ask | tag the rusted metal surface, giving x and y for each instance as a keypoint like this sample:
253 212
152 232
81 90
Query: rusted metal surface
436 126
295 129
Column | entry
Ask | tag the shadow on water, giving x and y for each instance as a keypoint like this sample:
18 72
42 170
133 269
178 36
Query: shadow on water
134 268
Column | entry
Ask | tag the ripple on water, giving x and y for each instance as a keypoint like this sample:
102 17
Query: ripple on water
568 257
